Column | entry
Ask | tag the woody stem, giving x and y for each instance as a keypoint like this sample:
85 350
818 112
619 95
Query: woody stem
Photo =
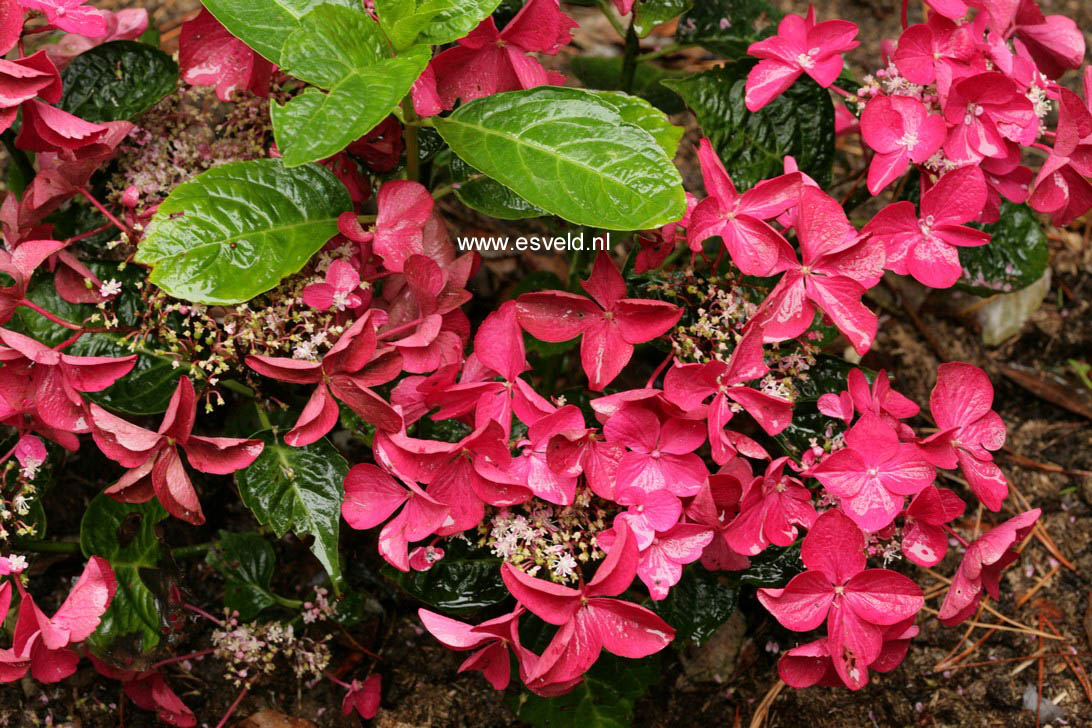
233 706
337 682
181 658
629 60
105 213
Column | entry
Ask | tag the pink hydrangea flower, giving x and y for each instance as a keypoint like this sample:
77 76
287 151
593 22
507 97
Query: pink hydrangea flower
70 15
489 640
488 61
901 130
589 619
740 220
924 540
985 114
772 506
372 496
926 247
660 452
982 565
857 603
209 55
969 430
42 644
801 46
363 697
339 290
874 472
688 385
609 323
838 267
155 466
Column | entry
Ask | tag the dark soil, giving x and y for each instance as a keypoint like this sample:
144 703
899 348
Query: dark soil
1048 448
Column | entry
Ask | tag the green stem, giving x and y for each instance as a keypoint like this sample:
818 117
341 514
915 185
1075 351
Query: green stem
237 387
48 547
629 60
185 552
18 156
262 416
286 602
604 5
413 154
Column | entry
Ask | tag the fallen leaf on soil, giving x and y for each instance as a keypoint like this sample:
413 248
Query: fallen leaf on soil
1051 387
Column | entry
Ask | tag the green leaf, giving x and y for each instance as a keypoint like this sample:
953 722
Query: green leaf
265 25
1015 258
431 22
147 388
808 424
650 13
773 568
697 605
298 489
753 145
124 535
635 110
604 700
606 74
827 374
489 196
728 26
464 580
117 80
344 52
572 153
246 561
238 229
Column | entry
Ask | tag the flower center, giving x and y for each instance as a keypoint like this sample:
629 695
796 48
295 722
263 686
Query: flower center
807 60
909 140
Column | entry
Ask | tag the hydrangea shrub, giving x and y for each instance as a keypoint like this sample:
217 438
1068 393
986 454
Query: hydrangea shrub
574 466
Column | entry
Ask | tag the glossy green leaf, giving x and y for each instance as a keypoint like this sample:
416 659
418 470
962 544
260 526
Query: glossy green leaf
246 561
604 700
431 22
147 388
650 13
489 196
753 145
773 568
238 229
635 110
298 489
606 74
728 26
827 374
345 53
117 80
1015 258
124 535
572 153
465 579
697 605
265 25
808 425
